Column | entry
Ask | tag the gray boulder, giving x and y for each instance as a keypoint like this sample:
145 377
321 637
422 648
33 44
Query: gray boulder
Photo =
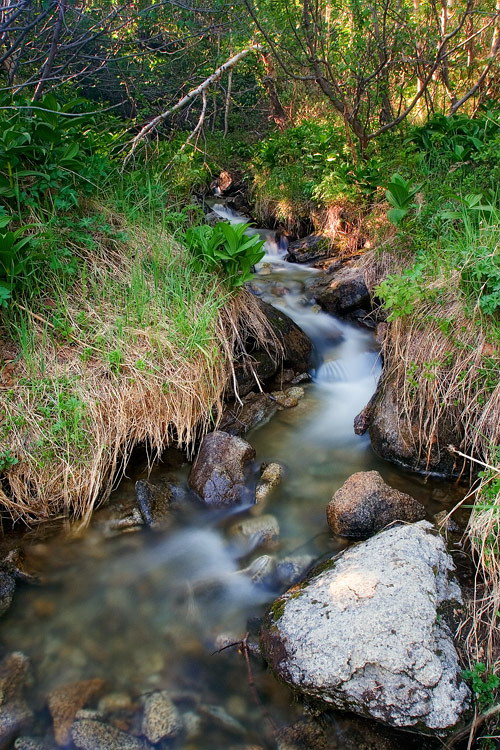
309 249
365 504
343 291
219 472
367 633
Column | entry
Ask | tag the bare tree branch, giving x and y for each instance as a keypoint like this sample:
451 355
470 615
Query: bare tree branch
152 124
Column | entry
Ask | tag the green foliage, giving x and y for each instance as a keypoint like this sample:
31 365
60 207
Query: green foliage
313 162
348 181
401 292
484 685
226 248
7 460
400 195
472 242
13 247
454 139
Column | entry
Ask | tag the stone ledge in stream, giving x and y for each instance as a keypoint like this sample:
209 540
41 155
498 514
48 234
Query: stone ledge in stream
297 348
366 633
219 472
309 249
365 504
342 291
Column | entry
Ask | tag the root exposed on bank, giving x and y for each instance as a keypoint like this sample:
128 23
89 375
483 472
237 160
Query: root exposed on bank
138 351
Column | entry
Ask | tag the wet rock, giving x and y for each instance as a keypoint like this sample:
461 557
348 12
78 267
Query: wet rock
395 439
362 420
368 634
219 472
303 735
15 565
227 183
154 502
192 725
256 409
64 703
7 588
353 733
112 527
15 716
445 523
289 398
272 473
255 370
292 569
271 477
253 532
114 702
161 719
262 571
93 735
365 504
297 348
343 291
90 713
309 249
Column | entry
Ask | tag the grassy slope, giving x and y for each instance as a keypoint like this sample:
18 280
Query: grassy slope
122 342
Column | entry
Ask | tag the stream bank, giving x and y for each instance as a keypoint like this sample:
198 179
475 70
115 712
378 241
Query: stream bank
145 612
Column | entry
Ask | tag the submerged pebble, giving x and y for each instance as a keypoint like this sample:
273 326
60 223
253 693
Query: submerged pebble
90 735
220 716
64 703
161 718
251 533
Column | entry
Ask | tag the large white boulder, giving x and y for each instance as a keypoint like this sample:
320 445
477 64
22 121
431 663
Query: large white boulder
369 633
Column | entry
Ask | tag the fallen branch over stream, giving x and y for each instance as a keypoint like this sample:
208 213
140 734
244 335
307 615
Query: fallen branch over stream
201 89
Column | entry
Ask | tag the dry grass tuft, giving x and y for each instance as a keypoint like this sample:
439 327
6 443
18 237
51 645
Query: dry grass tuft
444 372
482 626
139 350
442 364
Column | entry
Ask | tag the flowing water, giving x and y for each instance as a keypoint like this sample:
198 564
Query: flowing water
148 610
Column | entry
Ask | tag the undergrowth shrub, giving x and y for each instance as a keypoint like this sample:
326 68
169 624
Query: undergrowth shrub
227 249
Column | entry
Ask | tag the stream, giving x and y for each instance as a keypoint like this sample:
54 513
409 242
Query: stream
150 610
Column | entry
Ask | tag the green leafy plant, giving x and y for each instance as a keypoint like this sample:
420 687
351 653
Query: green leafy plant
7 460
227 248
12 261
484 684
400 195
454 139
472 203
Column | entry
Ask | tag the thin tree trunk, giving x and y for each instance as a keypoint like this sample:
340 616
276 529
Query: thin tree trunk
278 114
47 66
